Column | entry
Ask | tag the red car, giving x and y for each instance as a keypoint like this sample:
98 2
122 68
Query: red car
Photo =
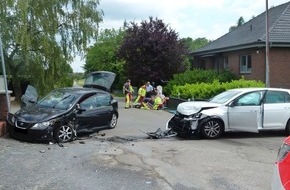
281 176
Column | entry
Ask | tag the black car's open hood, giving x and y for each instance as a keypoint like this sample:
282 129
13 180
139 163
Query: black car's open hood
100 79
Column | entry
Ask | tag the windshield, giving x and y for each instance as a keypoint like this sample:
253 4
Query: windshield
224 96
57 100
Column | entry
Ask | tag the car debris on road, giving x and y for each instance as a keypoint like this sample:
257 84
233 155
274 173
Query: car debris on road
159 134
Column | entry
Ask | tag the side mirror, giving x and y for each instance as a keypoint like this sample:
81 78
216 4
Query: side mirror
79 109
231 104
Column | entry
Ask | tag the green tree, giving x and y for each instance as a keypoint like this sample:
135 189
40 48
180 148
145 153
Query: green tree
102 55
195 44
152 51
40 39
240 22
192 45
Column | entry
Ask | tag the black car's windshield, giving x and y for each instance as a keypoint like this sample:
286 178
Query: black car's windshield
224 96
57 100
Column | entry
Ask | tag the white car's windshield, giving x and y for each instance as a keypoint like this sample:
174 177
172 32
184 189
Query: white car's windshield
224 96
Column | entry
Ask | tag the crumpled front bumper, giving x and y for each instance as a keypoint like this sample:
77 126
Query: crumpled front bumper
183 125
30 134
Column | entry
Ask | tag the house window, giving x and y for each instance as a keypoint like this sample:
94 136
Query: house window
226 63
245 64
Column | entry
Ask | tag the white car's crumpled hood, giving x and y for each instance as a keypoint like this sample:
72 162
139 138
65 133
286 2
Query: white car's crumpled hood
189 108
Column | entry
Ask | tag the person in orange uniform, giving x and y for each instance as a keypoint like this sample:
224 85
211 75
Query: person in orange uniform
128 91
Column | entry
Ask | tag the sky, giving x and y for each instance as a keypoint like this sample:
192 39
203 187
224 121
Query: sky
210 19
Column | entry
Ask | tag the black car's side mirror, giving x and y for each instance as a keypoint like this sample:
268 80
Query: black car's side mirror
79 109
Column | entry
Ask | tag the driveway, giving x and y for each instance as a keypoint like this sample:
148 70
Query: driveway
124 158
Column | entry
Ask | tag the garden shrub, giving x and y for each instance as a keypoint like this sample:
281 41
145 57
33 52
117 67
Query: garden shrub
207 90
198 76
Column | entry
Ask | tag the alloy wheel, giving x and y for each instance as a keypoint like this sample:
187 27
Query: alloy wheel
212 129
65 133
113 122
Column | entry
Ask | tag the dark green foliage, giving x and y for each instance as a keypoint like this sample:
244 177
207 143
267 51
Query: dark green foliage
192 45
208 90
151 51
195 44
198 76
240 22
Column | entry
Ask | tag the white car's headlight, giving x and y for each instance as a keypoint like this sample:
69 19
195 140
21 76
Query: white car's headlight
42 125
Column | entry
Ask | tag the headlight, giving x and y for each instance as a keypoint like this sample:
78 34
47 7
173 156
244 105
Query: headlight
283 151
198 115
11 118
40 126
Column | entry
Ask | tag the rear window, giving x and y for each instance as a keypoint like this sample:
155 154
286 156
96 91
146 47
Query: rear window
273 97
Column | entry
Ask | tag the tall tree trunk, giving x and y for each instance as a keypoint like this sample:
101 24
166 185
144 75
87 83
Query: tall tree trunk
16 83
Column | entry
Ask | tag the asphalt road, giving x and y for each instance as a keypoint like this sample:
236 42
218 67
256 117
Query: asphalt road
125 158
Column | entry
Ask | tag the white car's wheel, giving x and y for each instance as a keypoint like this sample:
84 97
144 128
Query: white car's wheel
212 129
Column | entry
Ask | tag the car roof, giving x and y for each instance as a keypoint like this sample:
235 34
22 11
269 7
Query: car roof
80 90
258 88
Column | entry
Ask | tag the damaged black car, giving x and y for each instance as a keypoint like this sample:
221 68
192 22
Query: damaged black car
66 112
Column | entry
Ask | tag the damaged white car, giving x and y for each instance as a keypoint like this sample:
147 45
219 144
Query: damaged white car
243 109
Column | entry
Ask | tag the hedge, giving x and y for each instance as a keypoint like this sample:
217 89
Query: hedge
198 76
207 90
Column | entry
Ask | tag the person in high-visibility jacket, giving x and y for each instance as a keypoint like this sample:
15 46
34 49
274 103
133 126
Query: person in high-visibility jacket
155 103
141 95
128 91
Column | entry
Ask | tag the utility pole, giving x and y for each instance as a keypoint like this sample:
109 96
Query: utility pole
4 75
267 47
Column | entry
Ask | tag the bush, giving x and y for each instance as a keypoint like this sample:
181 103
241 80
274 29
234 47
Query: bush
208 90
198 76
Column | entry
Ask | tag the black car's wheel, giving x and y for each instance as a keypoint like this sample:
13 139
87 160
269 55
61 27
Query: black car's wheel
212 129
113 122
64 133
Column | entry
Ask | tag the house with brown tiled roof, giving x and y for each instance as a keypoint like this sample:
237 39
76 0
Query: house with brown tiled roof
243 50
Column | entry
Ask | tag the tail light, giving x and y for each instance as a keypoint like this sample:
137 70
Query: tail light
283 151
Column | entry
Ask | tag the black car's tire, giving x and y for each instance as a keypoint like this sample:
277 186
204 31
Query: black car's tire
64 133
113 122
211 129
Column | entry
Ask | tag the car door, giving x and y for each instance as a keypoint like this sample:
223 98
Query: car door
104 110
29 97
276 109
97 111
245 112
87 113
